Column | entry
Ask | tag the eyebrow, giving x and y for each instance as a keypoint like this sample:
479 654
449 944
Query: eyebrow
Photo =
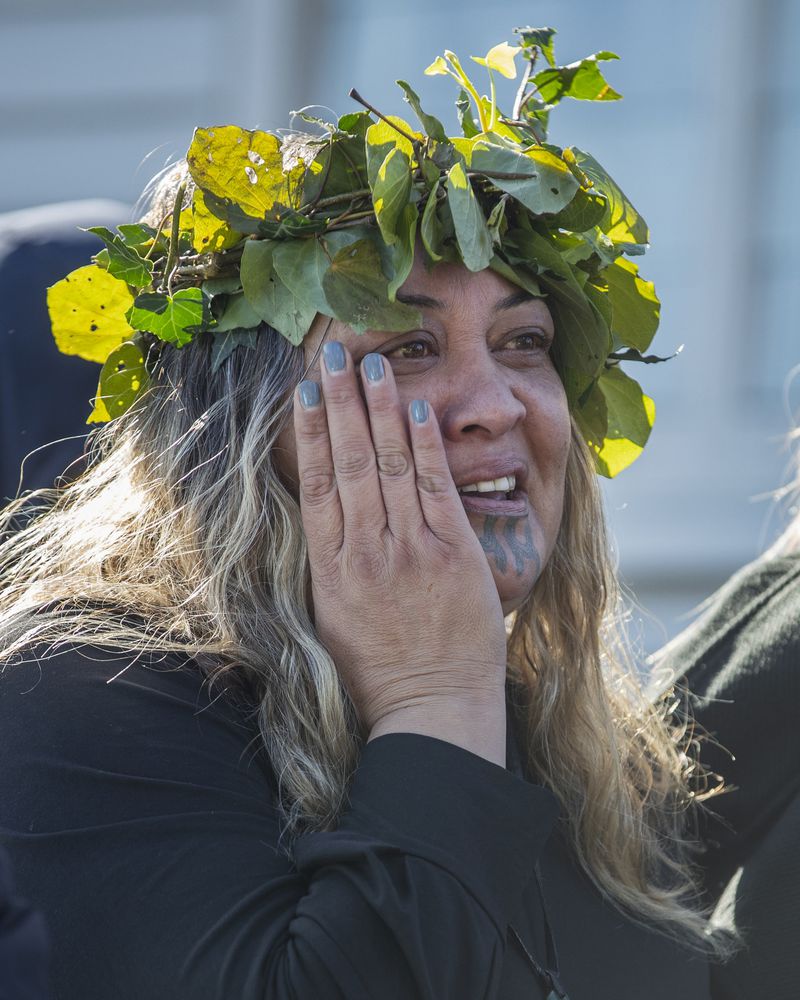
426 302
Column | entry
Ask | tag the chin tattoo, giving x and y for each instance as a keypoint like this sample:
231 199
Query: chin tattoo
518 539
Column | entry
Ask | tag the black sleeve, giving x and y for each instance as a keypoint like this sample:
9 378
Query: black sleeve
141 822
24 948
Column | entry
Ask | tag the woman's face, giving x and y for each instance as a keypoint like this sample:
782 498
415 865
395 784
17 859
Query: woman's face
481 359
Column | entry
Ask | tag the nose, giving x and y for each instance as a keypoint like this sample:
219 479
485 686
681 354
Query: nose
478 400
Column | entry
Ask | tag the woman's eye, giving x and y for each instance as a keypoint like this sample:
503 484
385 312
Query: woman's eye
410 351
528 342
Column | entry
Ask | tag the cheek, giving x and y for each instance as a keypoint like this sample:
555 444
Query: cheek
548 426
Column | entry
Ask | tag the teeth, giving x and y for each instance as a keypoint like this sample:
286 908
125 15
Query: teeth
505 484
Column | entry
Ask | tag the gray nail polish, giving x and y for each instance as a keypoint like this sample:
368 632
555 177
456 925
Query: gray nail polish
333 352
309 393
372 366
419 411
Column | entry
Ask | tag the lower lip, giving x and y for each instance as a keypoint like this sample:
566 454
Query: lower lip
517 506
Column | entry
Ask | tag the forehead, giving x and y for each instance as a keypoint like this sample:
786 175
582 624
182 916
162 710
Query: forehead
449 292
452 285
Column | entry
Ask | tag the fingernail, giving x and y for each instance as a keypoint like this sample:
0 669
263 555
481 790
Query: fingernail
419 411
309 394
372 365
333 352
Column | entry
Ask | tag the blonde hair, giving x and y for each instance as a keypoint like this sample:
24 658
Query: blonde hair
181 537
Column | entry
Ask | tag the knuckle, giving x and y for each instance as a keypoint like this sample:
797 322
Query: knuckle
353 462
312 431
340 395
435 484
393 463
316 484
366 564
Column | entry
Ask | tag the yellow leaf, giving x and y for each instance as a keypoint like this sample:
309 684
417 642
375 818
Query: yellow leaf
617 453
501 58
382 132
122 378
437 68
87 313
210 233
244 167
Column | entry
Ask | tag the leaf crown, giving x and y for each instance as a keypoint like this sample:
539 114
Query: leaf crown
277 229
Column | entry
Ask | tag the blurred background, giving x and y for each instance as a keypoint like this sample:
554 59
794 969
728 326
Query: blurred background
96 97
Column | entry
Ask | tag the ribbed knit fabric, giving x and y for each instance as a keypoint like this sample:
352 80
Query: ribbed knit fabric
742 666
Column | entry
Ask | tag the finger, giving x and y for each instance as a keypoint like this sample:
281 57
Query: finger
395 461
320 505
441 505
353 453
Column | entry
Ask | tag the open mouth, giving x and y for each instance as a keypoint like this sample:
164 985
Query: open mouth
495 496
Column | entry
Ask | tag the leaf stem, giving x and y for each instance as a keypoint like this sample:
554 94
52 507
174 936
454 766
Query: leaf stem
522 85
174 237
337 199
357 97
353 220
350 217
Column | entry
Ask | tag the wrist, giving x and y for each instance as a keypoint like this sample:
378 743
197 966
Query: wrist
474 721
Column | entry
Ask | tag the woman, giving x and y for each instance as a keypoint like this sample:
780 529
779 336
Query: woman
307 676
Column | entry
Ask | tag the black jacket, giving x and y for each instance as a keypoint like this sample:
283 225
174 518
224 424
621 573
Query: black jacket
141 818
742 665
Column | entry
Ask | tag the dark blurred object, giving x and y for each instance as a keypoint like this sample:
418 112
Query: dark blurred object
741 662
24 945
44 395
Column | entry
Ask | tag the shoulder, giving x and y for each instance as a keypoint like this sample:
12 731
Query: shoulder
87 681
84 709
753 611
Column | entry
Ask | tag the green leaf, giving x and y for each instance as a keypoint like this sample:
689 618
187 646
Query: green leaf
518 275
301 265
621 222
431 231
87 313
225 344
398 258
122 261
137 235
464 110
172 318
272 301
225 285
500 58
581 80
538 38
358 291
631 415
538 179
122 378
634 304
390 192
242 170
340 167
355 123
472 233
238 314
381 138
432 126
586 210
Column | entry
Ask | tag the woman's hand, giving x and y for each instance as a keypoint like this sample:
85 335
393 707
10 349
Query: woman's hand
404 598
